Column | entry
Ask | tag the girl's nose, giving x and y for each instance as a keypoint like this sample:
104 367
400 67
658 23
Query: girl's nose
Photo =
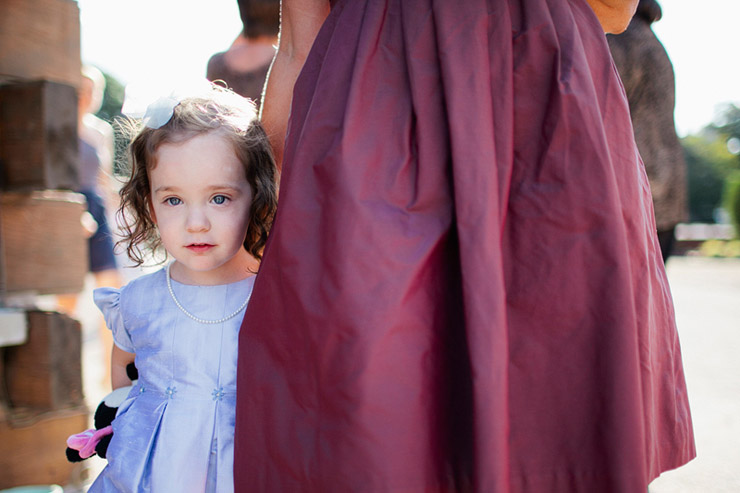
197 220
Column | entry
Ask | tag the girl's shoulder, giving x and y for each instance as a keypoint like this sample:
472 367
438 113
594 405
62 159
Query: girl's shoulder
146 282
130 308
140 291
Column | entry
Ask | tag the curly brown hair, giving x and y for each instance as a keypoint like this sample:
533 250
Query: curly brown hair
220 111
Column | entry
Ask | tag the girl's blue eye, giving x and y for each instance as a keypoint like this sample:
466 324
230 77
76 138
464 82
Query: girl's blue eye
220 199
173 201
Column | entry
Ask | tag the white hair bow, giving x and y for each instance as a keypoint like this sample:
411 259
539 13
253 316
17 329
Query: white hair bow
145 101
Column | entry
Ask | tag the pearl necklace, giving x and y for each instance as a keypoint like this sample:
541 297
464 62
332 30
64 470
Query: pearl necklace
200 320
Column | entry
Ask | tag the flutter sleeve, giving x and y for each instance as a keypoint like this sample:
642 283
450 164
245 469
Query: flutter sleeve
108 301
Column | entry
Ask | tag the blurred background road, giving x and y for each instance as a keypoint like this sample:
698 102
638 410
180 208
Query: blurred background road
706 292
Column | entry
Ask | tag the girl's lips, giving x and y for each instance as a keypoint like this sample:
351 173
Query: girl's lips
199 248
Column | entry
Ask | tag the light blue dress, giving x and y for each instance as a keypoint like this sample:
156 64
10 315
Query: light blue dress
175 431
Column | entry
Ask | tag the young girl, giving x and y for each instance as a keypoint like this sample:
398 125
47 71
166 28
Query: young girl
203 187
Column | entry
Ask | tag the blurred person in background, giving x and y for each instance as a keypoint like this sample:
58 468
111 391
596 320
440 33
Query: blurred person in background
96 153
244 66
647 75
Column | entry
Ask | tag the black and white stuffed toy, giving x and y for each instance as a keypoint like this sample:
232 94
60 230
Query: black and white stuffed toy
95 440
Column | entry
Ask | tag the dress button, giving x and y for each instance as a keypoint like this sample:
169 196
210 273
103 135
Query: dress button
170 392
218 394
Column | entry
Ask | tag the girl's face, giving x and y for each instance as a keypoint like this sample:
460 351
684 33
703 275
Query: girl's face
200 204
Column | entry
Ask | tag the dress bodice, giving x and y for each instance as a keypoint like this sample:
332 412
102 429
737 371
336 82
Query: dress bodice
182 407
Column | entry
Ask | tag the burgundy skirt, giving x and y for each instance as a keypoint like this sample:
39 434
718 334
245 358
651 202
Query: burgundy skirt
463 289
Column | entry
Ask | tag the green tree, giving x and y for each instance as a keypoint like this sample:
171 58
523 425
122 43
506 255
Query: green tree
728 127
731 199
109 111
709 164
728 122
112 99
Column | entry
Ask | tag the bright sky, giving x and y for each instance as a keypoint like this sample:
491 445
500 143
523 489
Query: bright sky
139 41
702 41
